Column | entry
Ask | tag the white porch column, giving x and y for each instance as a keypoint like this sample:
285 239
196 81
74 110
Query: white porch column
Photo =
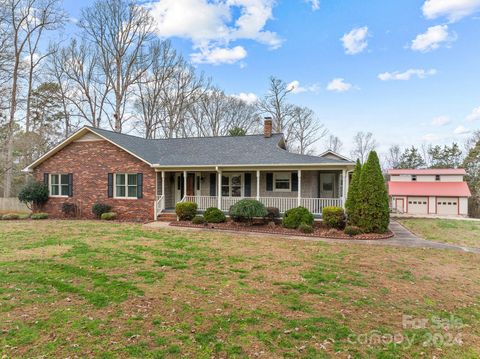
258 185
299 199
219 190
184 183
163 184
344 187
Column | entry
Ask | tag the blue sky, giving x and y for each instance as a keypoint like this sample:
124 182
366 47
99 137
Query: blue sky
408 71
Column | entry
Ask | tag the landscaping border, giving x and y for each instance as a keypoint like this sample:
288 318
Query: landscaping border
282 231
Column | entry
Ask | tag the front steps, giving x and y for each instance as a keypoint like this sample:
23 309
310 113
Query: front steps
167 217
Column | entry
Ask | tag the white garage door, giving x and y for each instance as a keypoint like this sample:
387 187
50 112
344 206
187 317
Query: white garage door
418 205
447 206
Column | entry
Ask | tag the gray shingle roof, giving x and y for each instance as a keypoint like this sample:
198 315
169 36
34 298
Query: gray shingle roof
213 151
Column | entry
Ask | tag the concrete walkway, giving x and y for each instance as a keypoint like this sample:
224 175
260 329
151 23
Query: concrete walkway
403 238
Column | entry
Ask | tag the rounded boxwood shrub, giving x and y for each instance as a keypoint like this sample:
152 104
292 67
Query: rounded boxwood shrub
10 216
296 216
100 208
199 220
108 216
305 228
247 209
352 231
37 216
186 210
214 215
34 194
333 217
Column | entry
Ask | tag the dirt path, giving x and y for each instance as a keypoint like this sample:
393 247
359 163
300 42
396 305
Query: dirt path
403 238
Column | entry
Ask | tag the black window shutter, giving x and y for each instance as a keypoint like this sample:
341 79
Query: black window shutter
110 185
248 185
270 182
139 185
294 182
213 184
45 178
70 185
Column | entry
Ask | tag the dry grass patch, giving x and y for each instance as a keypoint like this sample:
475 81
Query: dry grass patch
118 290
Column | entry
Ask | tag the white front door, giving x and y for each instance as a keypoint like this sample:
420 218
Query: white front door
178 187
327 185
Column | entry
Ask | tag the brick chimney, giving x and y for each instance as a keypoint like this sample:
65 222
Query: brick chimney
267 127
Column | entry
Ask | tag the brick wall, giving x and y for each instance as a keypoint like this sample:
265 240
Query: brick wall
90 162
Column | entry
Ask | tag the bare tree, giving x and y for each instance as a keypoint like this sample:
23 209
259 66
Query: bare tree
393 157
23 19
334 144
75 69
276 105
119 29
149 94
363 144
306 130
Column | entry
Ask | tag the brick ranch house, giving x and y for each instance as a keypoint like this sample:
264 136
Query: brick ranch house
429 191
142 178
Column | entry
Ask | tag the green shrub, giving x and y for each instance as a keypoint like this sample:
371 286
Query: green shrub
247 209
199 220
296 216
10 216
373 208
333 217
34 194
100 208
272 213
214 215
24 216
37 216
352 231
353 198
186 210
109 216
305 228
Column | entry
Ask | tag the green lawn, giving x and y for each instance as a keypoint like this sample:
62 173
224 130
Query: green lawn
465 233
96 289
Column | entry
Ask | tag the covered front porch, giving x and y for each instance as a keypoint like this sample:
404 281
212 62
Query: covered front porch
284 189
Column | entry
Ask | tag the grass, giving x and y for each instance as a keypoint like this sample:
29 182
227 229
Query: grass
107 290
464 233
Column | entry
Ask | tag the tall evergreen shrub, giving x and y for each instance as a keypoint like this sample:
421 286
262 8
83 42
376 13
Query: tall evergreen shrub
374 215
353 199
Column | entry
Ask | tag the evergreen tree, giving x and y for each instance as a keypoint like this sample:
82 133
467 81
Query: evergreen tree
446 157
472 167
411 158
351 204
237 131
373 209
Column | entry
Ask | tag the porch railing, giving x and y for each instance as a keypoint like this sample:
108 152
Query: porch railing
203 202
159 205
314 205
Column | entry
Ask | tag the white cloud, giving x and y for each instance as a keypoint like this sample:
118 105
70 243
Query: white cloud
217 55
460 130
249 97
454 10
432 38
339 85
355 41
297 88
406 75
475 115
212 26
314 3
440 121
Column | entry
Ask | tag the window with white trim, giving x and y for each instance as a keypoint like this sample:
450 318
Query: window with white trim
232 185
59 185
126 185
282 182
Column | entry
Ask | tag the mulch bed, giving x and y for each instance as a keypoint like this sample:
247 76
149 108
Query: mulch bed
319 231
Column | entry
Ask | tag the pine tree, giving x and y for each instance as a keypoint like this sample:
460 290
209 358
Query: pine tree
374 215
411 158
351 205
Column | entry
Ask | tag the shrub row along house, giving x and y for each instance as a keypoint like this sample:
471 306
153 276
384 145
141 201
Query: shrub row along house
142 178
